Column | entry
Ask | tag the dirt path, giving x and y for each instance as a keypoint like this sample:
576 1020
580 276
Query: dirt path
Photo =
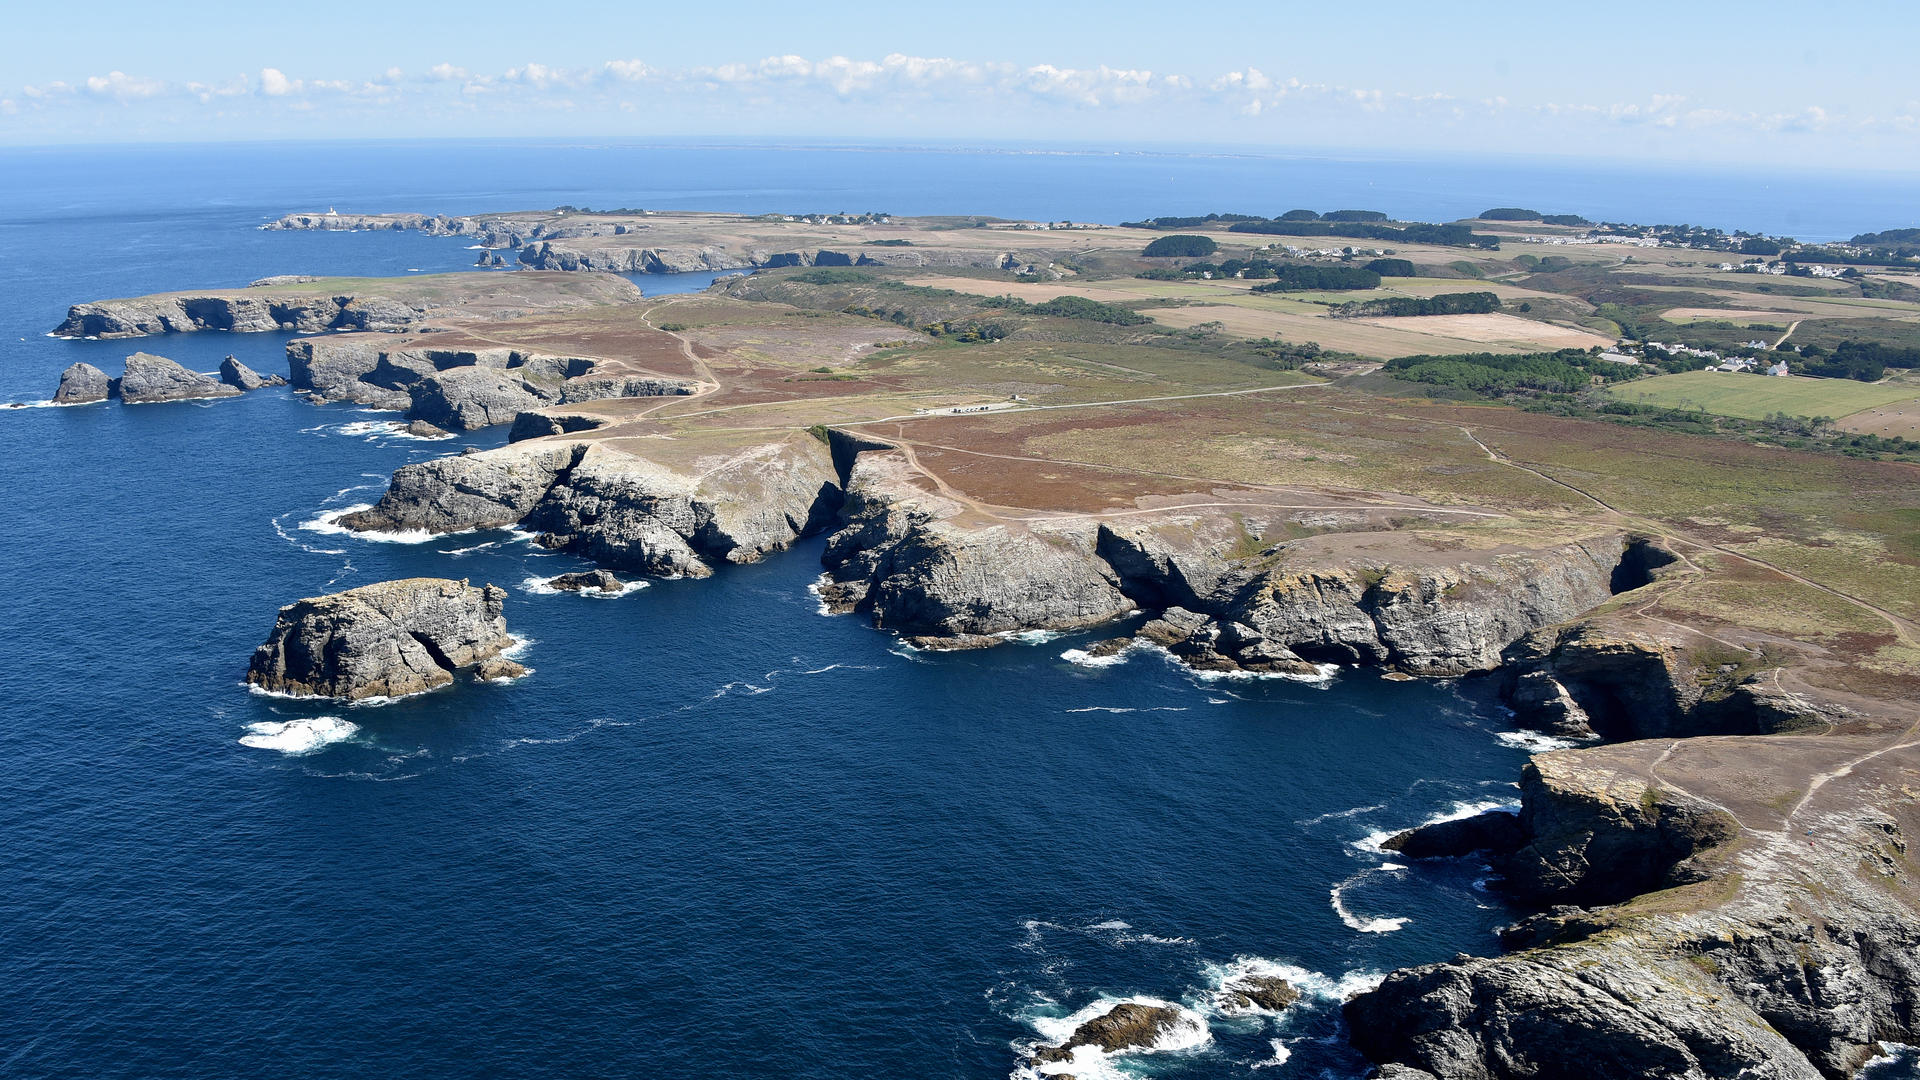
1791 327
1902 629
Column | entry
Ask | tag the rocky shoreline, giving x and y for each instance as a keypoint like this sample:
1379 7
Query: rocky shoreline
1780 983
574 246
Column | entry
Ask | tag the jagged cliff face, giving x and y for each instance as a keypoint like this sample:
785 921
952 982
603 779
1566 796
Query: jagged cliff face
923 563
459 389
1794 968
142 316
574 254
905 558
619 508
1602 678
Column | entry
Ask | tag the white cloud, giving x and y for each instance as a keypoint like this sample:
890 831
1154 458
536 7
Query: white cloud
627 70
123 87
275 83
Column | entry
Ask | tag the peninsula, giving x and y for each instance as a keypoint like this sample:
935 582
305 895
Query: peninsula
1016 426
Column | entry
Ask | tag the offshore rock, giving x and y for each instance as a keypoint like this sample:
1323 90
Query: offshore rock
152 378
1129 1025
420 429
1244 993
241 377
384 640
594 580
1495 831
82 383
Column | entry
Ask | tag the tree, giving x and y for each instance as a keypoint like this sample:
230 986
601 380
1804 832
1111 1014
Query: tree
1181 245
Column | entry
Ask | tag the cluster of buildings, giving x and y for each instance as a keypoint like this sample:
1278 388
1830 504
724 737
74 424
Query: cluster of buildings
1749 365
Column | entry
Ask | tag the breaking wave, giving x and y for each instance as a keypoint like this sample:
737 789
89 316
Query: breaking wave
301 736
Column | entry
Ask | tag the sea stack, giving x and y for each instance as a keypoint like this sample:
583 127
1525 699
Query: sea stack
388 639
82 383
151 378
241 377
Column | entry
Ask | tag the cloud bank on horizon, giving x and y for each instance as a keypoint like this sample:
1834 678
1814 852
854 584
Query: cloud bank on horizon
906 96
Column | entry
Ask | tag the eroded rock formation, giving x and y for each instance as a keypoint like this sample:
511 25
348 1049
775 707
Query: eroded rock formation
389 639
620 509
241 377
82 383
151 378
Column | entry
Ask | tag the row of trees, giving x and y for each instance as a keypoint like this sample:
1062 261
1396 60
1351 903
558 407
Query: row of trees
1468 303
1298 278
1493 374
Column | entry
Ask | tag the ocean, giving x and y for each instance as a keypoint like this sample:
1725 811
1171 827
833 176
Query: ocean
715 833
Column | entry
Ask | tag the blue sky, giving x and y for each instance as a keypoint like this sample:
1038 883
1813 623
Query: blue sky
1785 83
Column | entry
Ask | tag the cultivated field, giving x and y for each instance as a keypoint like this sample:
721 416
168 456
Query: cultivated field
1757 397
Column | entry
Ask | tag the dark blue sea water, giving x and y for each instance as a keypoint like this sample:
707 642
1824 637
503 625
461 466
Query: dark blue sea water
715 833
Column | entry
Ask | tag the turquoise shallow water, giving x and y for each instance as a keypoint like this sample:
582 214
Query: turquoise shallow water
715 832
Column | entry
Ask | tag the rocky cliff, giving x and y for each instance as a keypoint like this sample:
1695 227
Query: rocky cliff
572 254
630 512
176 314
315 305
1784 948
459 388
1621 680
944 573
385 640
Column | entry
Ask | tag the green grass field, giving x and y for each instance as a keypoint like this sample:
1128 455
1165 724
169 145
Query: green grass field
1756 397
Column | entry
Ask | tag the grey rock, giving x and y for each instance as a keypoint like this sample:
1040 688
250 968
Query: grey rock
420 429
539 425
152 378
384 640
902 559
82 383
620 509
1495 830
1127 1026
587 580
469 398
241 377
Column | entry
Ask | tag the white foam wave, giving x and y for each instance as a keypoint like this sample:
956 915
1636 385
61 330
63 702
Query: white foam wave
1534 742
537 586
1083 658
1380 925
1311 984
814 590
299 736
1280 1056
1336 814
1189 1032
308 548
1128 709
1322 675
1029 637
1463 808
1112 924
328 524
53 404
